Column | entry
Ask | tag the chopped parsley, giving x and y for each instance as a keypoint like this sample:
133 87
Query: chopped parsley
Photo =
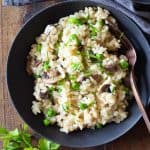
83 106
75 86
74 38
66 106
38 47
76 67
46 65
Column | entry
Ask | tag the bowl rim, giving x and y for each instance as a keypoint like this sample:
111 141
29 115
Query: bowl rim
7 64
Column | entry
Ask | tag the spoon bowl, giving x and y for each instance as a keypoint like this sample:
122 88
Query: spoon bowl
132 58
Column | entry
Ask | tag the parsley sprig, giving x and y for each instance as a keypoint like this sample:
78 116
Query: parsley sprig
22 140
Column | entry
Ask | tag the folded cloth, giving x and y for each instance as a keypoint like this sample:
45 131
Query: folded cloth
141 17
20 2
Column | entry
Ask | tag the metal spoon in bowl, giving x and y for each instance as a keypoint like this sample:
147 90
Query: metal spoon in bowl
131 55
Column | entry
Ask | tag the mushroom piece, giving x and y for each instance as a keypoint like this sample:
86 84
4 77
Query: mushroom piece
111 67
51 77
45 75
97 77
110 63
105 88
44 95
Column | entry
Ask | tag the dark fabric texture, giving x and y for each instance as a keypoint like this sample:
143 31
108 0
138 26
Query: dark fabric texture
20 2
139 13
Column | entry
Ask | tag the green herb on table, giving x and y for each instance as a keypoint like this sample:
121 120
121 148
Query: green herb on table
22 140
47 145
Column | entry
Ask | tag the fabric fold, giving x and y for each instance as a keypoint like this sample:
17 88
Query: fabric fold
140 16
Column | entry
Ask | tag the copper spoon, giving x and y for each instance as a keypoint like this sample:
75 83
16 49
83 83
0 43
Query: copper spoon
131 55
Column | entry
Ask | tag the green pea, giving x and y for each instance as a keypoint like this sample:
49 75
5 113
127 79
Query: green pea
51 112
123 64
83 106
38 47
46 122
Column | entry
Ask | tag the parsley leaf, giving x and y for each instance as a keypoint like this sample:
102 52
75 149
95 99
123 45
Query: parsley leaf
21 140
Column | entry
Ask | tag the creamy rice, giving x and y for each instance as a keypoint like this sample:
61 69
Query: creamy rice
78 72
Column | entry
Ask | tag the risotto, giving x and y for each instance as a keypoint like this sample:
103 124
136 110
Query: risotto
79 72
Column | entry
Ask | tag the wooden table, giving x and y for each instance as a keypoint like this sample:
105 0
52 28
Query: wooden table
11 19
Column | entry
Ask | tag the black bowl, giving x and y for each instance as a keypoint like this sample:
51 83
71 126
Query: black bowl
20 85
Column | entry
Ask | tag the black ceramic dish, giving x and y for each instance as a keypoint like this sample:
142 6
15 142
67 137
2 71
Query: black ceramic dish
20 85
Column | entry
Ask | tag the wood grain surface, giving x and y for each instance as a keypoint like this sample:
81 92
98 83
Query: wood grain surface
11 19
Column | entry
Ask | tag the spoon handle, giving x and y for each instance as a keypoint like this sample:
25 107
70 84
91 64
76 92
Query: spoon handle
139 101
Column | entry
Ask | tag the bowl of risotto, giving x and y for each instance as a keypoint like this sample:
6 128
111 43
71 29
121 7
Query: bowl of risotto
67 74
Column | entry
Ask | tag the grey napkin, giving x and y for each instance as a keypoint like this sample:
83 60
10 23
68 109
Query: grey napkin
20 2
139 13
